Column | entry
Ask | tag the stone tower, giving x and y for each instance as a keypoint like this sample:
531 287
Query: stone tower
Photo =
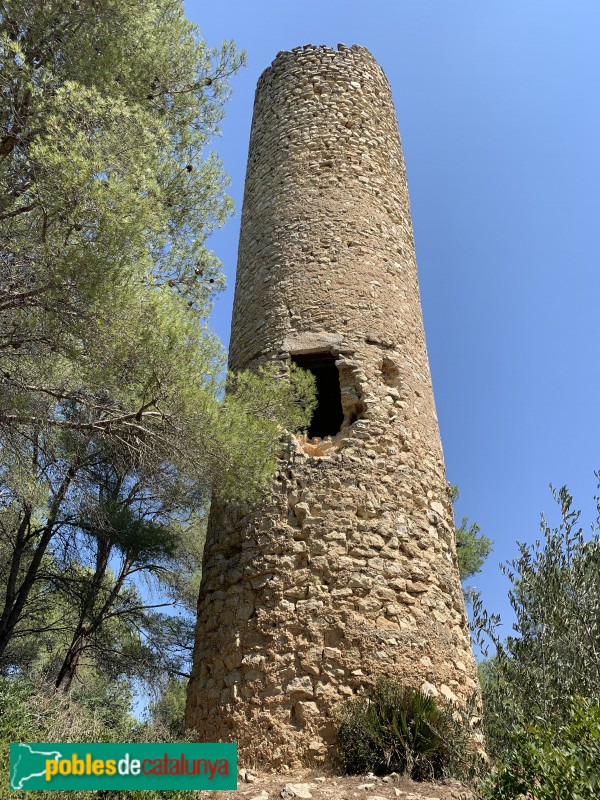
348 569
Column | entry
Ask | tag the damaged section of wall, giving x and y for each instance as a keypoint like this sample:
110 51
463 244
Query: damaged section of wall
348 568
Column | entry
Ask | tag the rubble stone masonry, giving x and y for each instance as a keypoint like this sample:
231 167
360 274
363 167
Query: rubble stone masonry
348 569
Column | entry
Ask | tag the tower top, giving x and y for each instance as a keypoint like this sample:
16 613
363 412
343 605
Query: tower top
325 191
311 53
321 50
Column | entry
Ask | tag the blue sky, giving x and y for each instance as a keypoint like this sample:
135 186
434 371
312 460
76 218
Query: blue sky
498 109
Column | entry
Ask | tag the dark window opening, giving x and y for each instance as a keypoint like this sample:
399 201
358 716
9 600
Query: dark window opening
328 415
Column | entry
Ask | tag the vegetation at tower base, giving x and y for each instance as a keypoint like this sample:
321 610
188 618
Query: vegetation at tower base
403 730
541 688
113 432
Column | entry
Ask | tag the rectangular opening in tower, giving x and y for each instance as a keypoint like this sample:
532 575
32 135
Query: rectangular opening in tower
328 416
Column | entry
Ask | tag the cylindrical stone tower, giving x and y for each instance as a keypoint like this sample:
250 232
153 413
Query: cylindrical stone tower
348 570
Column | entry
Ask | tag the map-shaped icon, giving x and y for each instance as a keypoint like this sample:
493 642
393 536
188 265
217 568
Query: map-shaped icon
29 763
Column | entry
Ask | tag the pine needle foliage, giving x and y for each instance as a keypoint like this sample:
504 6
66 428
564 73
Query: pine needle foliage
109 189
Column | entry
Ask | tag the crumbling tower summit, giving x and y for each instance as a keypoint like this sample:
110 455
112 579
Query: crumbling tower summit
348 568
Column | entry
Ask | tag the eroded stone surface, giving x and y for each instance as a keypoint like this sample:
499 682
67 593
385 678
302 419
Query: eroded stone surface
348 569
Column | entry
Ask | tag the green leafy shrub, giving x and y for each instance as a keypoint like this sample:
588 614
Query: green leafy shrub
554 650
552 763
402 730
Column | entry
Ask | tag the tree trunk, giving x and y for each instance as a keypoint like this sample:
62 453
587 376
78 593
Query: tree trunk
69 668
15 598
